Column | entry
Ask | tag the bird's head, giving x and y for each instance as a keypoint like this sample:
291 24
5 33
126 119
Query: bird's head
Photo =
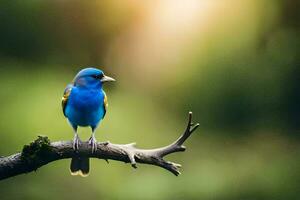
91 77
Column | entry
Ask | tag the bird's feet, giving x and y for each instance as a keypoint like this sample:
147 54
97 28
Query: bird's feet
93 143
76 142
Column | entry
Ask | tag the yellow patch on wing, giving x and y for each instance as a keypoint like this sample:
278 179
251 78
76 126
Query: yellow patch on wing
105 101
64 99
105 104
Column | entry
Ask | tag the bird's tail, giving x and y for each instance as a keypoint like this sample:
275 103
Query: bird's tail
80 166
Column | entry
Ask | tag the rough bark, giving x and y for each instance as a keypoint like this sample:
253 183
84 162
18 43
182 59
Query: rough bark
41 152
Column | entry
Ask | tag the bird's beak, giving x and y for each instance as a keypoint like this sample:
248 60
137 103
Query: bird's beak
107 79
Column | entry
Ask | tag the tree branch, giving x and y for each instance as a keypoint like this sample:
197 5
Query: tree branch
41 152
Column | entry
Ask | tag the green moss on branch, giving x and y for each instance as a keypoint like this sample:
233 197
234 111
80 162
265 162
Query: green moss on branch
33 152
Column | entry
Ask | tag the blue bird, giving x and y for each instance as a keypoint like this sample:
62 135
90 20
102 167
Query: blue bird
84 103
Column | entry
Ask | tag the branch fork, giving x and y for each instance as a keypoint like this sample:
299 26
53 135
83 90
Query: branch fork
156 156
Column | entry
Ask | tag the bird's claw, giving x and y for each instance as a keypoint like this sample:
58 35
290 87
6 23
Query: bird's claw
93 143
76 142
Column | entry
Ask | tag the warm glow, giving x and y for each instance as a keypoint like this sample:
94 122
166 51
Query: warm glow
160 42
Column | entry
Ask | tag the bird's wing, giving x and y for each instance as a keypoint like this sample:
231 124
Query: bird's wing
65 97
105 104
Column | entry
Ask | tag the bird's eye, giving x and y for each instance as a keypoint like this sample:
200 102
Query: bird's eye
97 76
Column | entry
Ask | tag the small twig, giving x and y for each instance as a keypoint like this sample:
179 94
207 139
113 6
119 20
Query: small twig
42 151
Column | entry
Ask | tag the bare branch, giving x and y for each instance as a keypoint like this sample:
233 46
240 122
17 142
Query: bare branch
41 152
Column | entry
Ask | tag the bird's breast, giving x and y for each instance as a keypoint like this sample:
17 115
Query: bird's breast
87 100
85 107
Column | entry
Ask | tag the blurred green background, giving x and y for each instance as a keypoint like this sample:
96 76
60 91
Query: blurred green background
235 64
